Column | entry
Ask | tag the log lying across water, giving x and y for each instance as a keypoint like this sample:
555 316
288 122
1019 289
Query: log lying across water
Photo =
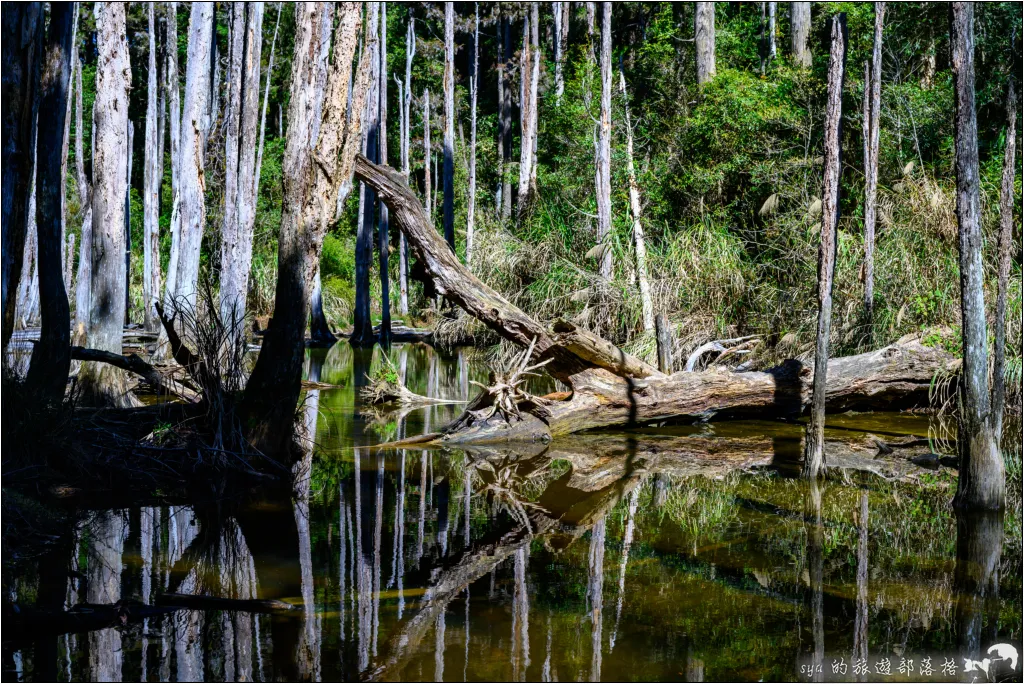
611 388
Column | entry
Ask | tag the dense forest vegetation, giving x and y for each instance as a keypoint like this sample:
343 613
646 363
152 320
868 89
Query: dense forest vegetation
623 168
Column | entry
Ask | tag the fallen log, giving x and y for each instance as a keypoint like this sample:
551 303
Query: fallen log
134 364
28 622
611 388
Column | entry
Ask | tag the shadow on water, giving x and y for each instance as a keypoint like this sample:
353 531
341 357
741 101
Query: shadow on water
680 552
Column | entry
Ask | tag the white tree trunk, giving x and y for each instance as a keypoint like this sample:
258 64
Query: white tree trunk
83 285
604 147
427 190
474 86
151 187
873 113
448 183
102 384
403 247
635 206
240 162
704 32
800 30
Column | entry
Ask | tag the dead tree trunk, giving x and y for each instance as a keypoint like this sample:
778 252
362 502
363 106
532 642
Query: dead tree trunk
174 128
83 278
981 481
872 127
403 247
102 384
505 117
1005 251
603 162
449 124
474 85
800 30
612 388
151 188
383 239
640 245
814 455
51 359
362 333
266 101
527 115
314 170
22 47
428 191
559 11
704 32
772 20
241 159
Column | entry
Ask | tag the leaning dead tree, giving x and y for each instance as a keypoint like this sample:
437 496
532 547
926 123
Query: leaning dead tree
611 388
814 456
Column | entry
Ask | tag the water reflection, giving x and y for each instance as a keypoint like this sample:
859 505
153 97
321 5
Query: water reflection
498 564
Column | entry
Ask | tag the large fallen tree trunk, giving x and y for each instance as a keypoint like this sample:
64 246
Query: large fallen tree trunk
611 388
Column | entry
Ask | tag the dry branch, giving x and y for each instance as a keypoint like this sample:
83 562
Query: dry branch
134 364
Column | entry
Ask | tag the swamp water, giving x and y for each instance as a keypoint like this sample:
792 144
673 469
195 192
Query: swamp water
666 553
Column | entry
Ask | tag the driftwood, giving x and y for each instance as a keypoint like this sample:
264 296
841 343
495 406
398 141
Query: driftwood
611 388
134 364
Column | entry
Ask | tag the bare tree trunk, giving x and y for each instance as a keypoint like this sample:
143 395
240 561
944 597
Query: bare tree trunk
535 94
449 124
67 255
591 8
174 126
526 105
51 358
362 333
474 86
128 226
814 454
704 33
1005 251
981 481
403 246
635 206
383 239
266 100
773 50
241 155
427 190
102 384
84 276
151 188
871 167
800 30
561 43
318 159
860 625
604 148
183 276
22 46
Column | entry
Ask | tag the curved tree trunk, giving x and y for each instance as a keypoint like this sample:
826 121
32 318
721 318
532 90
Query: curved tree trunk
22 47
981 483
51 358
814 456
102 384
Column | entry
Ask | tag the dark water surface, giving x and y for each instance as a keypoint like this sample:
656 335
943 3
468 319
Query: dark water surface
668 553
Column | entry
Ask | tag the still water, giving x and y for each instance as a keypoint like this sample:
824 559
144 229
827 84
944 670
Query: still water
685 553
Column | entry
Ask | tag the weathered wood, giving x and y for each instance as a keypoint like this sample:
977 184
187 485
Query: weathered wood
635 207
152 175
474 86
599 352
872 128
48 369
1005 252
603 150
704 33
134 364
663 332
981 483
505 67
448 88
800 31
383 224
814 454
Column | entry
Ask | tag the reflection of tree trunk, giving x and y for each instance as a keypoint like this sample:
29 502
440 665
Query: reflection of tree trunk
595 597
520 652
439 648
103 585
979 543
627 541
860 629
815 532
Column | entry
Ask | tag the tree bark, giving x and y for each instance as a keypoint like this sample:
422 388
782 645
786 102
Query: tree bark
22 47
814 455
644 282
383 238
505 116
183 272
449 124
83 278
772 21
871 167
664 338
560 11
800 30
102 384
1005 252
48 370
474 86
603 163
704 32
403 247
317 161
266 100
981 481
151 187
526 105
362 334
174 127
241 156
